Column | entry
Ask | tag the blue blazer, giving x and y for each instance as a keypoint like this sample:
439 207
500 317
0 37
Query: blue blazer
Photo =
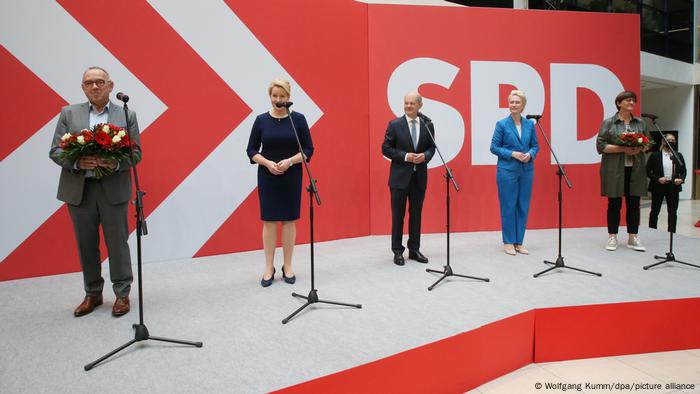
505 141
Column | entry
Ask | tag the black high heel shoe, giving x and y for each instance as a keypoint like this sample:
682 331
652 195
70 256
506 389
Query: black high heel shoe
288 280
267 282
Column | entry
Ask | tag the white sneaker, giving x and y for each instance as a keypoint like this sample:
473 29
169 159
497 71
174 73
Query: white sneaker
636 244
612 243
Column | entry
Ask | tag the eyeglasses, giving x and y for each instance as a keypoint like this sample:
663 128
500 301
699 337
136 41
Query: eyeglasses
99 82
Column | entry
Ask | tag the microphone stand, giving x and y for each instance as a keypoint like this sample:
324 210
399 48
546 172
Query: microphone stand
312 297
670 257
561 174
141 332
447 269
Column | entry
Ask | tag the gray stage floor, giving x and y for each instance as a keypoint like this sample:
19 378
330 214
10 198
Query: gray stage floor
218 300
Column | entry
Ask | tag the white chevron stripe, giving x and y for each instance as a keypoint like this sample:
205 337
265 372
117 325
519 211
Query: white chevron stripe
47 40
207 197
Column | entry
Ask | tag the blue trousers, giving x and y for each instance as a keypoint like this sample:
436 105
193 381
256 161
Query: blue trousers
514 192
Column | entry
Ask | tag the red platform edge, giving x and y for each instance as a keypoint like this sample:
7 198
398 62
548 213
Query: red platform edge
470 359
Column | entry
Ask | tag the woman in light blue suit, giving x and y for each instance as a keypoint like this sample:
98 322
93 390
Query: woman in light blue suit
515 143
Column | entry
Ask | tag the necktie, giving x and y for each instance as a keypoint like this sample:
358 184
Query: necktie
414 136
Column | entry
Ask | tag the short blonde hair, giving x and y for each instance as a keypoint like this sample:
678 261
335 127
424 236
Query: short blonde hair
520 94
280 83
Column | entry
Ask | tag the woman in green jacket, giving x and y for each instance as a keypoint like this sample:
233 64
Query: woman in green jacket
622 169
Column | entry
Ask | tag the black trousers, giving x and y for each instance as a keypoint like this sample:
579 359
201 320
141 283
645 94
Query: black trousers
631 209
670 193
415 196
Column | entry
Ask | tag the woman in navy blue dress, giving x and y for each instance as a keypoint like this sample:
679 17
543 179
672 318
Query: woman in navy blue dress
279 175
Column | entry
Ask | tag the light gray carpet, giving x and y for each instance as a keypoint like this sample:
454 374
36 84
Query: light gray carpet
218 300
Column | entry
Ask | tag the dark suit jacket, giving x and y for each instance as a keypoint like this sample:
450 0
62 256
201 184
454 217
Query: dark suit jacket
75 118
655 170
398 142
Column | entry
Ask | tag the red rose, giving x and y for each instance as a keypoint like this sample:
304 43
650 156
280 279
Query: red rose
125 142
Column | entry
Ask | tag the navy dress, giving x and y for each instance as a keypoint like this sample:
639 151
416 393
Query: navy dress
280 195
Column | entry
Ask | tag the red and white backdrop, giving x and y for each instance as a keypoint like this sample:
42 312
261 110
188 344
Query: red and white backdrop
197 74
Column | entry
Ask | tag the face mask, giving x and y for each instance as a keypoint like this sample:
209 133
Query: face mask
673 145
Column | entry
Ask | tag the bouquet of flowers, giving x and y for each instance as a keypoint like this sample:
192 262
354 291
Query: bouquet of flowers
104 140
634 139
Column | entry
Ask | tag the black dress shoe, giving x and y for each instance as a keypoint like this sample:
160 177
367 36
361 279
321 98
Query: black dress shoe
418 256
398 259
267 282
288 279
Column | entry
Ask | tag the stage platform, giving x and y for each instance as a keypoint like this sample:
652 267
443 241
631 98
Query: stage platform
218 300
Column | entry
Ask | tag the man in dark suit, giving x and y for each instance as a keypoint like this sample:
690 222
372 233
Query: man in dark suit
93 202
665 179
410 148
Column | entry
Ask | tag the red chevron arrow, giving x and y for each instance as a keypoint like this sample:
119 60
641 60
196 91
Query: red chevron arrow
202 111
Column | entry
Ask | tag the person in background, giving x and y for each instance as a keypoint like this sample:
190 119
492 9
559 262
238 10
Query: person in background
665 179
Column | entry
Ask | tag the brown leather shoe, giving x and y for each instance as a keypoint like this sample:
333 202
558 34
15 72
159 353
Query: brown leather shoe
121 306
88 305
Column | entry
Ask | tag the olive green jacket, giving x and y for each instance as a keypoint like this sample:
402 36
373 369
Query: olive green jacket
612 165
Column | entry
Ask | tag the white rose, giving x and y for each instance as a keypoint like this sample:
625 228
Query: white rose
81 140
640 140
116 139
105 128
66 137
121 133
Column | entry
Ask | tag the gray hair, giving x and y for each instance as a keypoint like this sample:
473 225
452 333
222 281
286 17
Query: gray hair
97 68
419 98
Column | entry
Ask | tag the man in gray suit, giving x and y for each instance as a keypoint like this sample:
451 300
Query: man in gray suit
93 202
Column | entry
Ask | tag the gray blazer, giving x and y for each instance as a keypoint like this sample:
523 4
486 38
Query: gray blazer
117 186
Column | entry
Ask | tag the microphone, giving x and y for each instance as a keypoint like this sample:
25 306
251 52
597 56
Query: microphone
536 117
286 104
650 116
122 97
425 118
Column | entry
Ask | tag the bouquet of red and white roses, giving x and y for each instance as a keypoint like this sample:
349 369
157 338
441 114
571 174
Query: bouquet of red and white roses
105 140
634 139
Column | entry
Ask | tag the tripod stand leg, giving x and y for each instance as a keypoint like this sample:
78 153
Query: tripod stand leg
580 270
669 258
472 277
180 341
438 281
110 354
300 296
646 267
545 271
288 318
359 306
682 262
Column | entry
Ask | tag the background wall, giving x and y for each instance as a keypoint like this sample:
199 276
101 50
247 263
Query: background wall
197 75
